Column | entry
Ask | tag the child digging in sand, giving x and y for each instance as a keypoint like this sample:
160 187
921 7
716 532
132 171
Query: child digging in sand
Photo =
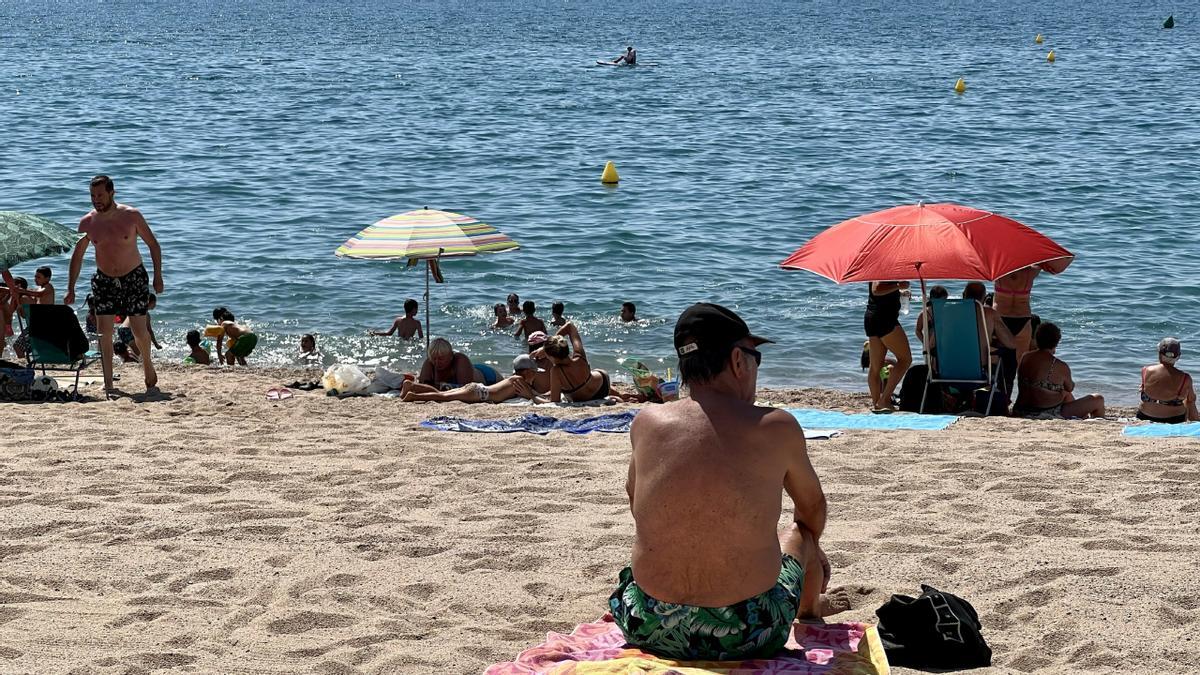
519 384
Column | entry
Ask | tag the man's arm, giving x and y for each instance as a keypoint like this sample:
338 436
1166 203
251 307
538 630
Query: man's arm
143 230
800 481
76 265
629 479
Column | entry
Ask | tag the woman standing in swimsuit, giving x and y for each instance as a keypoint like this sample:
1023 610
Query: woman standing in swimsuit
884 334
1011 300
571 375
1167 392
1046 384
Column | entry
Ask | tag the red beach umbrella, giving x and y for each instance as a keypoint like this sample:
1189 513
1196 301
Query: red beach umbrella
929 241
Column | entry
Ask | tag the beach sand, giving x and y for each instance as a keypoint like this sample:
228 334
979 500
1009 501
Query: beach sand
220 532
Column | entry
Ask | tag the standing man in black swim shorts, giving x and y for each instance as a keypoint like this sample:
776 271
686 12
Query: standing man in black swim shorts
120 285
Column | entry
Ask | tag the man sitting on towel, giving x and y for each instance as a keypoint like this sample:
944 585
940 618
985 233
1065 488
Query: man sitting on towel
711 578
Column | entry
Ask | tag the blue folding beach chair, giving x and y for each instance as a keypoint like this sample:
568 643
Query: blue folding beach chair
57 342
961 352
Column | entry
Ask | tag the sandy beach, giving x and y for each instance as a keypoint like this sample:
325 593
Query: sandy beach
219 532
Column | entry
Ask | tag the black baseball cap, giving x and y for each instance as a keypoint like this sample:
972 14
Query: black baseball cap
710 327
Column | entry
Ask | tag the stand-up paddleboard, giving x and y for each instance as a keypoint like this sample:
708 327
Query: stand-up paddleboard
614 63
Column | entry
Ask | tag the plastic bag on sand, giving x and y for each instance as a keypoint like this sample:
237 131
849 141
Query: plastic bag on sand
388 378
345 379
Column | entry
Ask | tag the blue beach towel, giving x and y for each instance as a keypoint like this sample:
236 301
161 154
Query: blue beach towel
829 419
1163 430
617 423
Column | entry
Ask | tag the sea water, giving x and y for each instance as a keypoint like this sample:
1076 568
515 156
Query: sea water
257 137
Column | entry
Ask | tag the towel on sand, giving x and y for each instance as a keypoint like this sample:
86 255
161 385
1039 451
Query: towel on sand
1164 430
830 419
599 648
617 423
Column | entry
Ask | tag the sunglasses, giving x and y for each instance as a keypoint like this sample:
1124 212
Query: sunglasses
752 352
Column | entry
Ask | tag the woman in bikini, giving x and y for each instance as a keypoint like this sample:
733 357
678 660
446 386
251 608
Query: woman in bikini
571 375
881 322
1046 384
1167 392
1011 300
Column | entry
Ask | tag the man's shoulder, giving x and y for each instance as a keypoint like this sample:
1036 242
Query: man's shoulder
87 220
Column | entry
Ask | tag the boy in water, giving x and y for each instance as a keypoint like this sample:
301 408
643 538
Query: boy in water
407 325
241 340
514 304
43 293
530 324
199 355
556 315
503 320
125 330
628 312
518 384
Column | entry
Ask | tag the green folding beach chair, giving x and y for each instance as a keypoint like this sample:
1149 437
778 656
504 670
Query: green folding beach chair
962 348
57 342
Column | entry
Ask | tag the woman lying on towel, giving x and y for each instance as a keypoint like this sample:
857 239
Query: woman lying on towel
1167 392
517 385
1046 384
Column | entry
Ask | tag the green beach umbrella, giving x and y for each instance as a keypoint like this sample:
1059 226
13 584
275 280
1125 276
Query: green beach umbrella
25 237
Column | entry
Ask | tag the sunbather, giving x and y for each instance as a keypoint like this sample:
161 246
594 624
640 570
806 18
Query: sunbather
1167 392
1045 384
881 322
571 375
1012 301
445 368
519 384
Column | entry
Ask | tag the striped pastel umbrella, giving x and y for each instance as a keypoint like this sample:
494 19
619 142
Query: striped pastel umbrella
429 235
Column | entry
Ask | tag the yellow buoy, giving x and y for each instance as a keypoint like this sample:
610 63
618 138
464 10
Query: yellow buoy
960 86
1050 56
1038 39
610 173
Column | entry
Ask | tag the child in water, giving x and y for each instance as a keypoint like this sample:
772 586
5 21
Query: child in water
199 355
240 340
556 315
503 320
530 324
407 325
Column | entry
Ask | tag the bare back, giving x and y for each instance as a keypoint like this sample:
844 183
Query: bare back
706 484
114 233
1012 292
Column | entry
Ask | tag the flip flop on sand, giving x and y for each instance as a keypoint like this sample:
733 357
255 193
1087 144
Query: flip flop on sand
272 394
279 394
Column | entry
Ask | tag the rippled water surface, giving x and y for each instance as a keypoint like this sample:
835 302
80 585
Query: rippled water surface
256 137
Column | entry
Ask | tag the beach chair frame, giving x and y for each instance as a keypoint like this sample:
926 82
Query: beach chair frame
987 373
67 363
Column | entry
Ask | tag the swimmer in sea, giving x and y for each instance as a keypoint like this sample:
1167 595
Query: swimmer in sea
629 58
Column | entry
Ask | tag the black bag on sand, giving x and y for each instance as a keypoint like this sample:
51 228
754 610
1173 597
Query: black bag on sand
936 630
913 387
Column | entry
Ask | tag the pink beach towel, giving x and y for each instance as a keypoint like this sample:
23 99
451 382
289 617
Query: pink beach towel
599 648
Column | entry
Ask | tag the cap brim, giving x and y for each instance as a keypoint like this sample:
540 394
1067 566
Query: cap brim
760 340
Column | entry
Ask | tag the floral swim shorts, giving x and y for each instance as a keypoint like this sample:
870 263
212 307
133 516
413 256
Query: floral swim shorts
753 628
127 295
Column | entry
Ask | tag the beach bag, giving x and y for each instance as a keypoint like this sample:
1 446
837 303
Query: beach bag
913 387
387 380
936 630
345 379
16 383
